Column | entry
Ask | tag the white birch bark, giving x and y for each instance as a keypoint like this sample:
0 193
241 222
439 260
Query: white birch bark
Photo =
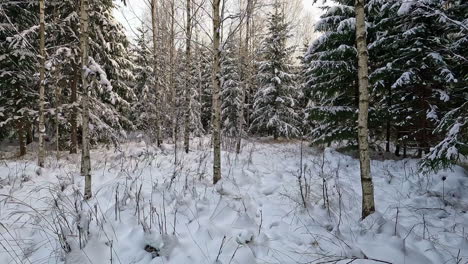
368 206
155 72
216 93
85 156
188 77
41 152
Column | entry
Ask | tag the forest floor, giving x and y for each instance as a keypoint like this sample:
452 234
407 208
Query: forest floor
150 208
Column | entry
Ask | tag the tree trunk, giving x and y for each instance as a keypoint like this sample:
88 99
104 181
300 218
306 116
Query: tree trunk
188 78
21 136
216 93
171 77
240 117
155 72
389 119
368 206
29 133
74 115
85 156
41 152
57 116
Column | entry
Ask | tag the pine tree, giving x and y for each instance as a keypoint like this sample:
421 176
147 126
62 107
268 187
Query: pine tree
274 102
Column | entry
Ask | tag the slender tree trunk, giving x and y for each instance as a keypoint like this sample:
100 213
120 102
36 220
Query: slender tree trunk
85 156
216 93
240 117
21 136
199 83
368 206
29 133
57 116
41 153
188 78
172 87
74 115
389 119
155 72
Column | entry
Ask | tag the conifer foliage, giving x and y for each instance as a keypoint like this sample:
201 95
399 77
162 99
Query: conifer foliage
331 77
18 60
417 71
231 91
275 101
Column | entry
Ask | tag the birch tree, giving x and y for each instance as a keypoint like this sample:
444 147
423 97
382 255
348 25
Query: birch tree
246 88
41 153
85 156
216 126
368 206
188 75
155 70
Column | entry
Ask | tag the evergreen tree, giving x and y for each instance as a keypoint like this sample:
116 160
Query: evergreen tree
196 92
415 68
18 60
331 76
144 108
230 90
203 58
450 113
274 102
109 49
110 66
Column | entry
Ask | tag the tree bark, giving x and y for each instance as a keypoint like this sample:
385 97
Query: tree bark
57 117
216 93
20 125
85 156
29 133
240 118
41 152
171 76
389 118
74 115
188 78
368 206
155 72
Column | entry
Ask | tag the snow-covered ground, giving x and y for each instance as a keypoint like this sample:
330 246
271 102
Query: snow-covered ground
150 208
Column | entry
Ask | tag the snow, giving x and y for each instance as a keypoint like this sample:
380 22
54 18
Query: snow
148 209
406 7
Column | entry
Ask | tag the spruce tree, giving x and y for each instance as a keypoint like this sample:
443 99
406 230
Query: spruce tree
203 58
450 112
231 90
331 77
143 114
18 61
274 102
197 83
